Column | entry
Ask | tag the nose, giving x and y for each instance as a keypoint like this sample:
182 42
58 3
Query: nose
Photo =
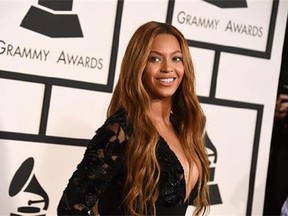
166 67
166 70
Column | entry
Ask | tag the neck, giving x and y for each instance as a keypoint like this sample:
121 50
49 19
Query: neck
161 110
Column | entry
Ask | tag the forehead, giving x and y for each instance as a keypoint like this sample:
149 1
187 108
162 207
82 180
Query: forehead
162 41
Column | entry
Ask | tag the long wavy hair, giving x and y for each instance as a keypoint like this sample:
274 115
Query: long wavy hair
143 170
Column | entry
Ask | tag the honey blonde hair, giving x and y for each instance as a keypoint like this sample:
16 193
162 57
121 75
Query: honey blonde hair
143 170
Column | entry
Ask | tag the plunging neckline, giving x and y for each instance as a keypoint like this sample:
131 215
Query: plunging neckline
182 170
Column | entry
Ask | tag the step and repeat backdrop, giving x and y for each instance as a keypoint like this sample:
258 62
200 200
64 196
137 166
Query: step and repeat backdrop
59 62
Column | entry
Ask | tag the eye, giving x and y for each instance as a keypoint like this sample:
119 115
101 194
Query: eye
177 58
154 59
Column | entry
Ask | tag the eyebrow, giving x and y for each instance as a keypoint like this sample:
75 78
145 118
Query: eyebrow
173 53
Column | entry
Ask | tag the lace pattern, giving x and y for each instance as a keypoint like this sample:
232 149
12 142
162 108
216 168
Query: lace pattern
101 174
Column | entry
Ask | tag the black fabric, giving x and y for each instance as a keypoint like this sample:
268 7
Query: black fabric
277 176
101 174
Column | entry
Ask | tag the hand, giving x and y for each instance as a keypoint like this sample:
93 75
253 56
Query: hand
281 109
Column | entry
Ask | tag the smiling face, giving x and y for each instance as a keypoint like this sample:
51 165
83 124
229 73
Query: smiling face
164 71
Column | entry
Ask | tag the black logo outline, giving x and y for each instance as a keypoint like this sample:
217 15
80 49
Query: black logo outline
25 181
50 24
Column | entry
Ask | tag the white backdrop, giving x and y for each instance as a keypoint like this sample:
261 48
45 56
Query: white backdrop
58 66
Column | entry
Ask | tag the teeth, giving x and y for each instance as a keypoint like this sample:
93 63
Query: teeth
167 80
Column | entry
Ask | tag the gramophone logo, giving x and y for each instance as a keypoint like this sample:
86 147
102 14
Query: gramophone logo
45 21
24 181
214 193
228 4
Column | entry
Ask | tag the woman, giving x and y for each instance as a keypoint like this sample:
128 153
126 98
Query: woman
149 157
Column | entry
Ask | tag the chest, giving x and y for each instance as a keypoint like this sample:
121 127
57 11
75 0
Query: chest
172 185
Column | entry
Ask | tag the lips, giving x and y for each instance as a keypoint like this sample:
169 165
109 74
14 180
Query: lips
166 80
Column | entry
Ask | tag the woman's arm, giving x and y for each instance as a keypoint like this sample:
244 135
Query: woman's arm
98 166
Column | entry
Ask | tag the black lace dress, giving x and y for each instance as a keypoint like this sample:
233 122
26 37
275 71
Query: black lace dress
101 174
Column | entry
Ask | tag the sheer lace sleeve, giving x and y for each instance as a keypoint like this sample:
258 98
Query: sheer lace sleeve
100 164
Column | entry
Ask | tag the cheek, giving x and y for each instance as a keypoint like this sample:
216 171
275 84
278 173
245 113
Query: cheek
181 73
148 74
